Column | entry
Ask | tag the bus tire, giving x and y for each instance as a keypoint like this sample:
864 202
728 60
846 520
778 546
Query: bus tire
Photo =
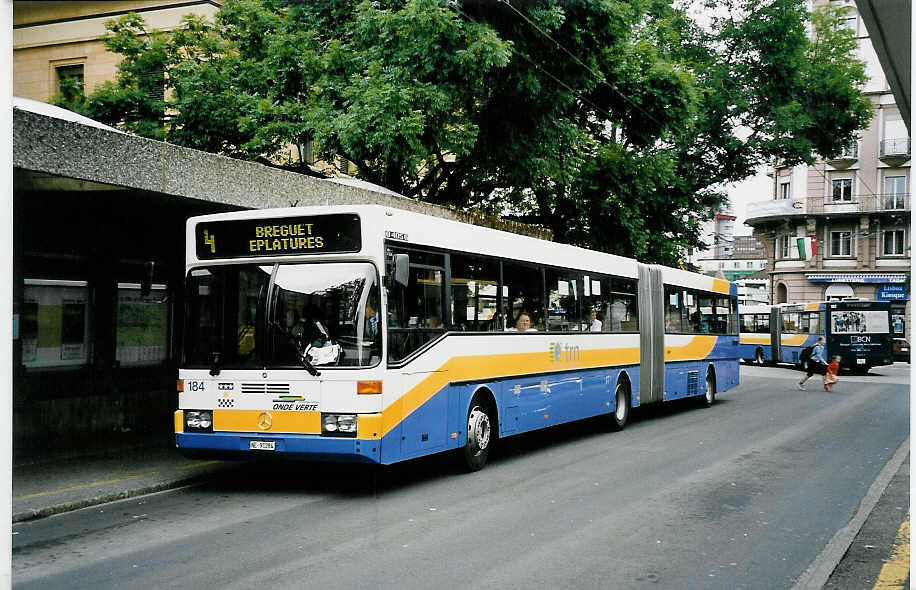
621 412
759 359
480 435
710 397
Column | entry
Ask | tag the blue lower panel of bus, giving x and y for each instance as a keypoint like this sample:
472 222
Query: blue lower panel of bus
688 379
523 404
307 446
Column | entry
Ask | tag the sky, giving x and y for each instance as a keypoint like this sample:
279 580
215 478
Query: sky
756 188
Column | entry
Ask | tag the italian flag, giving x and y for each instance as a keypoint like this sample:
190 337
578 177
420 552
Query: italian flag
807 247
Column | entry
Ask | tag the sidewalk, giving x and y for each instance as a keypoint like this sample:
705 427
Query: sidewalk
53 482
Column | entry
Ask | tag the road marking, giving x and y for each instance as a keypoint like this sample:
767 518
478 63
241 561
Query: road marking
896 571
106 482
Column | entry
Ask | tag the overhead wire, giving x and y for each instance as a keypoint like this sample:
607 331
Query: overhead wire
576 94
599 76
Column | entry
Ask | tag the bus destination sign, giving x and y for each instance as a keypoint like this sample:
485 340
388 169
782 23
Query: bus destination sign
283 236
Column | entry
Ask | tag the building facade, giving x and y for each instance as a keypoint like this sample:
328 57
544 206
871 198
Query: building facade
57 40
855 209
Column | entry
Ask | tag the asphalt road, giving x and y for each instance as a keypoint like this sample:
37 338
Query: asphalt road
745 494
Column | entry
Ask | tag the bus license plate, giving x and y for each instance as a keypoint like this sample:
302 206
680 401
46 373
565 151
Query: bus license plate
860 361
262 445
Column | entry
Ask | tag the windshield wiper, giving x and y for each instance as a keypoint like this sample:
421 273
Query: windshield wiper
303 357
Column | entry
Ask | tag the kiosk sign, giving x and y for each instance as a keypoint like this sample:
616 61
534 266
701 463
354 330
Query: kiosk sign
284 236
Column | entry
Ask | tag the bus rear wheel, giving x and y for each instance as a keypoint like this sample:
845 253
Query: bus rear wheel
622 409
710 397
759 359
480 435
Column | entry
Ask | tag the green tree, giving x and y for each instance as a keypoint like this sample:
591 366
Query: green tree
614 123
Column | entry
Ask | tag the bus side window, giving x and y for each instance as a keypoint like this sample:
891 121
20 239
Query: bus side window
814 325
564 300
673 302
790 323
474 286
523 291
415 311
624 309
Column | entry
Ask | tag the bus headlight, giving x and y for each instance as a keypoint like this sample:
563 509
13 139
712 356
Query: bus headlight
198 421
338 424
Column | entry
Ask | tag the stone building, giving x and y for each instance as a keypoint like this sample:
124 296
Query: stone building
855 207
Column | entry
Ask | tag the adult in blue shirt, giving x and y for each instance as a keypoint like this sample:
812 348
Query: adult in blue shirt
817 363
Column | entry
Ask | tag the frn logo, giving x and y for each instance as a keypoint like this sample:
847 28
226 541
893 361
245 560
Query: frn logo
560 353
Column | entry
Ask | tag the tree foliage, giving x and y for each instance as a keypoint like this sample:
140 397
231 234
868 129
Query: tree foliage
615 123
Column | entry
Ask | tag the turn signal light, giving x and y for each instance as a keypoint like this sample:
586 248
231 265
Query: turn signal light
180 386
368 387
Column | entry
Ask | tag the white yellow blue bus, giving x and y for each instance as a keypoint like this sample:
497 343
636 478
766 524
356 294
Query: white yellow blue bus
856 330
374 334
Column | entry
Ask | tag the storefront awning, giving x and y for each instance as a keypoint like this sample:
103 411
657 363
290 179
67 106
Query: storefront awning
856 278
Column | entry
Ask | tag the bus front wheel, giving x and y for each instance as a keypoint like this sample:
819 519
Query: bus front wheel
759 359
480 435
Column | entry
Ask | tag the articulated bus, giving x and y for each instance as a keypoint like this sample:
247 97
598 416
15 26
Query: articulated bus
858 331
374 334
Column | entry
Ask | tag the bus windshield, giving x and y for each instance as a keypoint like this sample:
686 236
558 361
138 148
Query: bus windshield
283 316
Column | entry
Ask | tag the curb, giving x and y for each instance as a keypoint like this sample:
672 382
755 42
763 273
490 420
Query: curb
817 574
37 513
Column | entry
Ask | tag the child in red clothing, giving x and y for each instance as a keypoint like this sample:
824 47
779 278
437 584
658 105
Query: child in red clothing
831 377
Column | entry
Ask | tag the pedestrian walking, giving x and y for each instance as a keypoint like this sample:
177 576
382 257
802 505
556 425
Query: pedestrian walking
817 363
830 377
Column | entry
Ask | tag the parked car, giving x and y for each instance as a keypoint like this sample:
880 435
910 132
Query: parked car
901 350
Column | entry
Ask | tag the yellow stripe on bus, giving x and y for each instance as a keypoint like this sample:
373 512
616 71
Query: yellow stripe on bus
280 421
755 340
698 348
456 369
794 340
179 421
720 286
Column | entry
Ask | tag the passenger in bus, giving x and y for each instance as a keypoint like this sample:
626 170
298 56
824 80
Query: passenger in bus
594 324
434 322
522 323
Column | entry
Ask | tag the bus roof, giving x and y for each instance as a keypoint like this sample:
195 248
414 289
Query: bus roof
412 229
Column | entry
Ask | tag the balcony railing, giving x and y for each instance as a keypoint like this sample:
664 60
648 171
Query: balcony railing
894 152
845 158
781 208
775 208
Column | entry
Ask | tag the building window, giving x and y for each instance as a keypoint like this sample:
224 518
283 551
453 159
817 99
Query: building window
894 192
842 190
841 243
70 81
143 326
893 242
55 323
784 192
787 247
